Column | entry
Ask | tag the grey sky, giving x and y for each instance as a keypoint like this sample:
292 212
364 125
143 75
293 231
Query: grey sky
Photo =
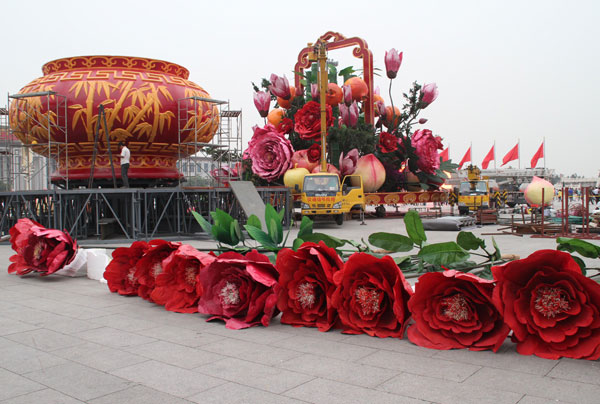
506 70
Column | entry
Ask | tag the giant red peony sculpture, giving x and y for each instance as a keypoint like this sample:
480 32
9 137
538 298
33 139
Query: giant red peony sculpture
140 97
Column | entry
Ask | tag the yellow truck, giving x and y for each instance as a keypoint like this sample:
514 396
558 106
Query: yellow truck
323 195
474 193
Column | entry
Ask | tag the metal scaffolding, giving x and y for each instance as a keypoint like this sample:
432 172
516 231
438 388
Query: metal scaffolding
214 163
34 165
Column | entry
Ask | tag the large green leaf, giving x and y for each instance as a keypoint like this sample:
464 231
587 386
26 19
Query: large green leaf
236 232
222 218
469 241
463 266
221 235
206 226
391 242
329 241
273 222
581 247
306 226
497 255
443 253
414 227
275 231
253 220
260 236
581 264
297 243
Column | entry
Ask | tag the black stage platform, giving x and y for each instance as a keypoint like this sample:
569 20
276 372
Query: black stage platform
131 213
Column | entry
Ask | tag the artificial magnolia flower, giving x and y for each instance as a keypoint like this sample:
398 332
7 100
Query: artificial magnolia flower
280 87
393 59
348 162
262 102
349 114
429 94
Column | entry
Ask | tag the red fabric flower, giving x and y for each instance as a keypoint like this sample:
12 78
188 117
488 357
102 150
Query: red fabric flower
241 290
39 249
551 307
371 296
151 265
177 286
387 142
308 120
286 126
120 271
314 153
455 310
306 279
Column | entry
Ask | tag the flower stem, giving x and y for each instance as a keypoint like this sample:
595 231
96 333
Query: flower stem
393 110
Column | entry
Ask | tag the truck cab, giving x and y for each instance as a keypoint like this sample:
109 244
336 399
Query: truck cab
474 193
323 195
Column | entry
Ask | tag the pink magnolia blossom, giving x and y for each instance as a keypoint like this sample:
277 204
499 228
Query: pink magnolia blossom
262 101
348 162
347 90
380 105
426 146
349 114
393 59
430 93
280 87
270 151
314 92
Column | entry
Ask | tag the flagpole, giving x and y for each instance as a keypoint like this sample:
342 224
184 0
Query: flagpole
519 151
471 147
544 151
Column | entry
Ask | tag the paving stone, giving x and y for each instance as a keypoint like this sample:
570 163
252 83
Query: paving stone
93 302
339 370
114 338
425 366
10 326
540 386
180 336
168 379
45 340
233 393
99 357
64 309
23 359
506 358
67 325
331 335
388 344
32 316
261 335
124 323
577 370
250 351
330 349
46 396
321 391
539 400
14 385
139 395
175 354
79 381
446 392
254 375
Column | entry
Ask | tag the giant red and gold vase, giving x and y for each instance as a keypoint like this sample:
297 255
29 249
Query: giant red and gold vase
147 104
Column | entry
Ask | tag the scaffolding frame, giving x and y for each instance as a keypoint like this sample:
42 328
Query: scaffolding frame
24 168
220 153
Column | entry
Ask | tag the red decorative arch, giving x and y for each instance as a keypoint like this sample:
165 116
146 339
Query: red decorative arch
335 40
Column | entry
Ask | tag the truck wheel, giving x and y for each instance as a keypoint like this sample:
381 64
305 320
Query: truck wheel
339 219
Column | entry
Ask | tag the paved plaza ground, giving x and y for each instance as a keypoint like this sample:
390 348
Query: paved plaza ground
69 340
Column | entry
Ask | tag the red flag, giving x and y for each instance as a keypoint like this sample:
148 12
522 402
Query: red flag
538 155
444 155
513 154
466 157
488 157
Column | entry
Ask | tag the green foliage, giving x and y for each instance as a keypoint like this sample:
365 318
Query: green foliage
391 242
414 227
469 241
253 220
443 254
581 247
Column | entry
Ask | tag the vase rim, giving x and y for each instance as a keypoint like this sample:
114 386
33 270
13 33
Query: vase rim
111 62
